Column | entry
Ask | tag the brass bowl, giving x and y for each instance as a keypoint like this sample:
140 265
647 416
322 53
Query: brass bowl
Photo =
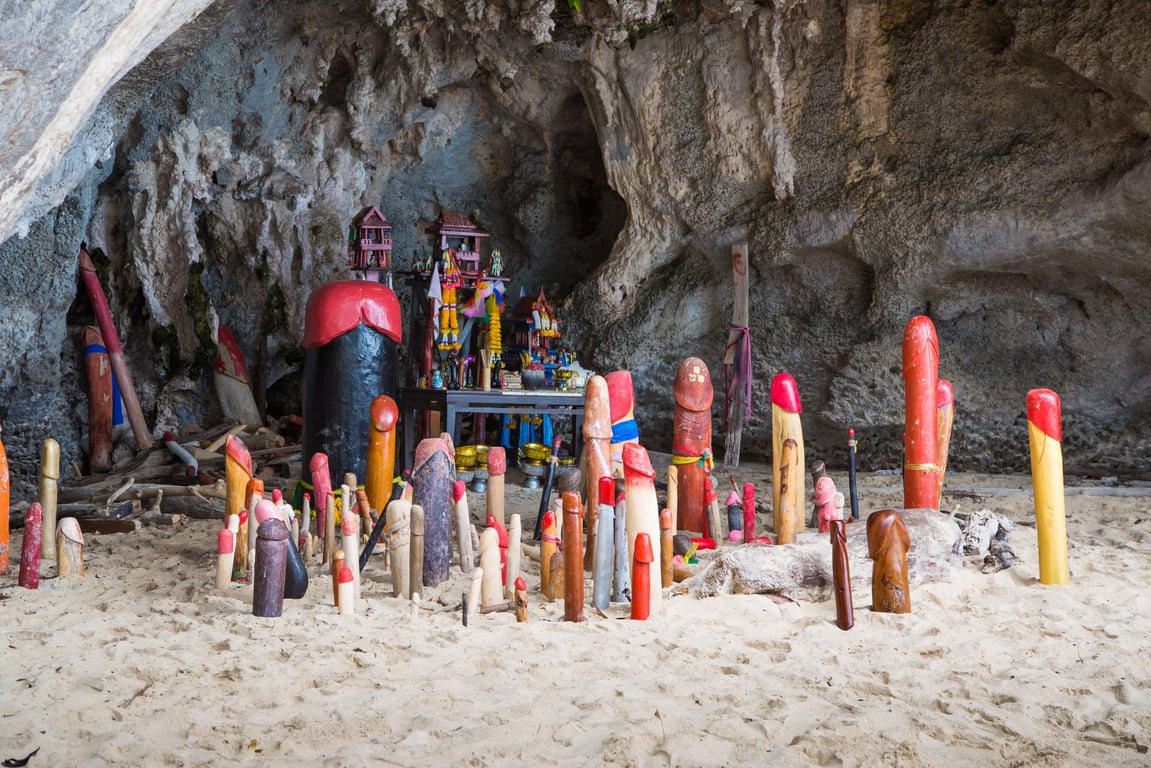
465 457
482 455
536 452
566 461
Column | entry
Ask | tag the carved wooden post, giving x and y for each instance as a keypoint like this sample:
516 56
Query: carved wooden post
225 554
237 523
5 507
788 511
665 547
491 589
381 459
494 523
944 416
786 425
336 567
642 507
737 367
887 545
818 470
115 352
841 576
272 563
512 567
749 512
346 588
851 445
604 545
621 570
433 479
419 548
521 600
399 543
322 488
920 379
69 548
253 494
29 577
596 452
621 398
1045 435
735 514
826 512
691 443
99 375
463 526
714 527
497 467
307 538
642 593
573 563
350 543
49 477
548 546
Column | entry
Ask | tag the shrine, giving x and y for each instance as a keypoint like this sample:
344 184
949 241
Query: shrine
370 244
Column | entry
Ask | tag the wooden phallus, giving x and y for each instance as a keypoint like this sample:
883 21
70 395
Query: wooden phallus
463 526
98 372
786 425
624 430
350 543
225 554
521 600
621 569
346 587
5 506
1045 436
642 558
132 410
49 486
826 512
920 381
573 563
596 452
944 417
502 539
818 470
399 542
271 566
604 544
432 483
191 463
381 457
512 567
841 576
691 443
418 548
887 545
336 567
29 577
69 548
549 542
253 493
237 473
665 547
491 591
325 514
351 340
233 384
788 511
642 508
497 468
748 507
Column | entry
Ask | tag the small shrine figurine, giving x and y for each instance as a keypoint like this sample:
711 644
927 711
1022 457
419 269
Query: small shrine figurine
370 243
497 266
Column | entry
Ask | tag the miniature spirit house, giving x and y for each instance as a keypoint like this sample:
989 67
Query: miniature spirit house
457 241
534 326
370 246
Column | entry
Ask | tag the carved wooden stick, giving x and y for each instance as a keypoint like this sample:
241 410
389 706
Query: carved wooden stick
642 507
381 457
642 558
841 576
786 425
851 445
604 545
307 540
665 547
737 361
236 523
233 384
337 565
944 415
399 544
433 479
254 494
691 443
346 588
69 548
548 545
115 351
99 375
1045 435
521 600
463 526
920 379
512 567
788 514
330 543
350 543
748 530
29 577
714 526
225 554
322 495
492 590
49 479
596 452
5 506
887 545
557 574
419 549
475 591
818 470
573 562
502 539
497 467
621 571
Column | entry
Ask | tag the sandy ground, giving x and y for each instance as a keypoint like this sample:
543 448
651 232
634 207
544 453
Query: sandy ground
144 662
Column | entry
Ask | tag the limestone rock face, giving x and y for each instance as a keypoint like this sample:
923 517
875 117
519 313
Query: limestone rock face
985 164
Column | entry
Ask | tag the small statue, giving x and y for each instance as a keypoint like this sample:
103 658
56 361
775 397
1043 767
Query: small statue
887 545
497 268
825 503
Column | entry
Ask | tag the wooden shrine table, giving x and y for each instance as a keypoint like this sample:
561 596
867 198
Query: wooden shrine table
453 403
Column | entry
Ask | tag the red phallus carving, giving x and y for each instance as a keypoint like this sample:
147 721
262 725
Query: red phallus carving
233 365
785 393
944 394
1043 410
340 306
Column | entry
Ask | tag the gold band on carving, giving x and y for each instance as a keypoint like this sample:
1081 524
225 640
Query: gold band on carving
921 467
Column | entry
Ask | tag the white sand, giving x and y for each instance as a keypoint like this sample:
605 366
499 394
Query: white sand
143 662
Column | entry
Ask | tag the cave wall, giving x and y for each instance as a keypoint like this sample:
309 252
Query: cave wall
981 162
